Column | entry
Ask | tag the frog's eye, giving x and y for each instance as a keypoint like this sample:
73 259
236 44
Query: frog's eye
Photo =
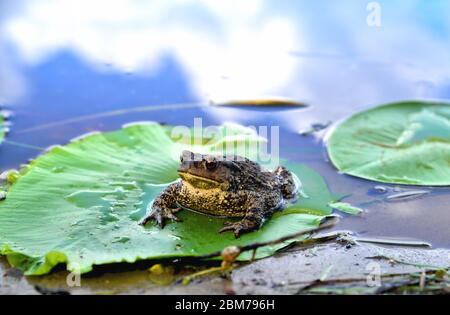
210 165
181 159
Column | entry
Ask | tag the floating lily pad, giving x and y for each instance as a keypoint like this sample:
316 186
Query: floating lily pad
403 143
80 204
345 207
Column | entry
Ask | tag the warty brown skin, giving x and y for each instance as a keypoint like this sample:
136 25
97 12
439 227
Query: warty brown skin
226 186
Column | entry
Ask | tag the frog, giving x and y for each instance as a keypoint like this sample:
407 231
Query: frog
229 186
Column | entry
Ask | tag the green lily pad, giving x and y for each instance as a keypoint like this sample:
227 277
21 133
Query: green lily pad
80 204
346 207
403 143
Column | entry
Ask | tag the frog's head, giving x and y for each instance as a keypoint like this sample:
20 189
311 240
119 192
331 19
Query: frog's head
209 171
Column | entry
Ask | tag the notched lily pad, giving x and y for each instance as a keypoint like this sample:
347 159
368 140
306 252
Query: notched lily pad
80 204
402 143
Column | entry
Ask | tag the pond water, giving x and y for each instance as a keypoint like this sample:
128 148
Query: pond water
69 67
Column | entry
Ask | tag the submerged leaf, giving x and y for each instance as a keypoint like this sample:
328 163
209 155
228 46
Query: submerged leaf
404 143
407 195
275 102
80 204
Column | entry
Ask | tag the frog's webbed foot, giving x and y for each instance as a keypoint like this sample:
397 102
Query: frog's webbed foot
244 226
164 207
160 215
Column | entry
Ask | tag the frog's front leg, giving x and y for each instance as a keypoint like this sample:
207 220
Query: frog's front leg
164 206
